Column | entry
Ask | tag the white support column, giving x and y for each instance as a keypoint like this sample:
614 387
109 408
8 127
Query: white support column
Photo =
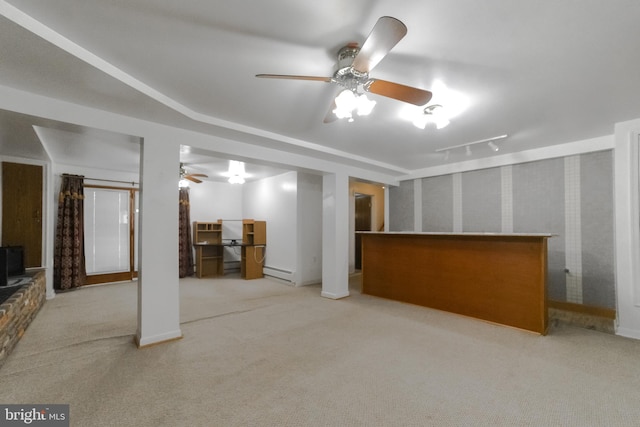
627 212
335 236
50 211
158 291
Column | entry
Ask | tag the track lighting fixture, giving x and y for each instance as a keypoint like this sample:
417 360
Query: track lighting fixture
467 146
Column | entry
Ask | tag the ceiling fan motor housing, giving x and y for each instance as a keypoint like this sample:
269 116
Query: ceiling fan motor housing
347 54
346 75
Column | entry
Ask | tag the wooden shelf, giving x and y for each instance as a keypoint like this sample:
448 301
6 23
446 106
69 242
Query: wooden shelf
254 239
207 240
207 237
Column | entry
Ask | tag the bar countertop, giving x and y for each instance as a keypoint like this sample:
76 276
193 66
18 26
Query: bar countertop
436 233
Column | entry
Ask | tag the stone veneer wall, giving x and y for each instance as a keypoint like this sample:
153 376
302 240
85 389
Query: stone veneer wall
18 311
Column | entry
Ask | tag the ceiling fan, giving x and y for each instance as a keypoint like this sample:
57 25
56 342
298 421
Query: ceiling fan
191 176
355 63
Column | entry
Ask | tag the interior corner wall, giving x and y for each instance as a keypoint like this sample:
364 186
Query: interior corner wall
274 200
309 259
571 197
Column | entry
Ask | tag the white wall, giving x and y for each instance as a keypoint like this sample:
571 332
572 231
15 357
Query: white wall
211 201
274 200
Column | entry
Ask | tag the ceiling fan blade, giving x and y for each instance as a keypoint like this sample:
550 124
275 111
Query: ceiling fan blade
400 92
198 174
331 117
384 36
192 179
285 76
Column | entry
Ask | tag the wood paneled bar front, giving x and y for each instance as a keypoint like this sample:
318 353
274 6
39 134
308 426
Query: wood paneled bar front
500 278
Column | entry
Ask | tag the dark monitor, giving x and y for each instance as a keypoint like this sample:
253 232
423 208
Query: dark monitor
11 263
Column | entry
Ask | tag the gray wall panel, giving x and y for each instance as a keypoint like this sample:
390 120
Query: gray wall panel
481 201
437 204
538 202
596 187
538 207
401 202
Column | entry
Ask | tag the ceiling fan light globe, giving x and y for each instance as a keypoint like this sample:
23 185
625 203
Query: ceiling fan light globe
346 100
342 114
236 167
421 121
236 179
365 105
441 122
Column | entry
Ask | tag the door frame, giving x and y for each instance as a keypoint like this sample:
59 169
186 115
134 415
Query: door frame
357 255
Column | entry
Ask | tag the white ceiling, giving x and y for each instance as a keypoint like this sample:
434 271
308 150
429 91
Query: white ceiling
544 72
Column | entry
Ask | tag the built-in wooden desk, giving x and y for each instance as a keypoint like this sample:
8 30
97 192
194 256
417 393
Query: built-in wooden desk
499 278
209 246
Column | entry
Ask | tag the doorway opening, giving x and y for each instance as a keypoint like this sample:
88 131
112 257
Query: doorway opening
363 222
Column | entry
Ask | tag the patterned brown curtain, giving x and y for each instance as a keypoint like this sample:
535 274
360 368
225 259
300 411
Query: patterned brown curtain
68 259
185 251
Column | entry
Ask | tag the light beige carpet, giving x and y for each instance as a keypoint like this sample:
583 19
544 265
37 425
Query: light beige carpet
261 353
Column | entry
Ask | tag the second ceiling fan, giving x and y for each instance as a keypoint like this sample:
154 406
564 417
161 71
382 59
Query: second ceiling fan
193 177
354 65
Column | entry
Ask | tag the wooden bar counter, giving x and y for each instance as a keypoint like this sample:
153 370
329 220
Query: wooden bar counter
499 278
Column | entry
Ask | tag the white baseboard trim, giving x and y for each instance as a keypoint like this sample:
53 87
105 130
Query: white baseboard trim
628 333
309 283
157 339
332 295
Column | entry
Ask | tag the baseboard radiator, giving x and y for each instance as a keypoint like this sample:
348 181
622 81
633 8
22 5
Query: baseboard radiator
278 273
